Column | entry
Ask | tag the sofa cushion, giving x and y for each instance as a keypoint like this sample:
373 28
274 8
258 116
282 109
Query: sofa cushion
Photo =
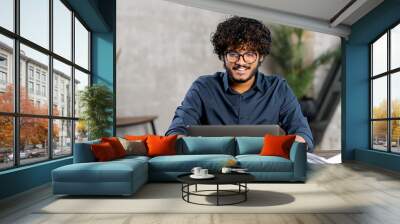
185 163
207 145
111 171
131 158
257 163
83 152
249 145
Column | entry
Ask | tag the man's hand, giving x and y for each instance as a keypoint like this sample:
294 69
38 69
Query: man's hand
299 139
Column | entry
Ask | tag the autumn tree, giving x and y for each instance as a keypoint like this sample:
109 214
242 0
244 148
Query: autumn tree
6 122
33 131
380 127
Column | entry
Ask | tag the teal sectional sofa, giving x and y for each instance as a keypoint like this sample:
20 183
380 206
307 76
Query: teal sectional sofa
125 176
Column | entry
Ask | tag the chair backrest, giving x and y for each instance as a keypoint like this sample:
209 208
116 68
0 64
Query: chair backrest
234 130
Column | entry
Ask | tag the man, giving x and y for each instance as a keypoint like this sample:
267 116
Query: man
241 94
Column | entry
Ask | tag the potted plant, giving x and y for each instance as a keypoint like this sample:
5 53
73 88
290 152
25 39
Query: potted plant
96 102
288 53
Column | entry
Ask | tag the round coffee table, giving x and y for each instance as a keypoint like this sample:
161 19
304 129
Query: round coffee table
238 179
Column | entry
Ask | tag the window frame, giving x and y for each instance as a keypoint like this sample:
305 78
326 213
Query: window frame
15 72
388 74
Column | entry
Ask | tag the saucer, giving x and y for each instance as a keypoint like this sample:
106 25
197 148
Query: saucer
208 176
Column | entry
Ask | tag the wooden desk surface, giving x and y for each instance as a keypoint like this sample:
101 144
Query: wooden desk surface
126 121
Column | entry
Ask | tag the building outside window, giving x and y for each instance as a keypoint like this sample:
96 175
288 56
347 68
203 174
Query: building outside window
30 72
3 61
3 72
35 53
30 87
43 90
3 78
37 75
43 77
55 99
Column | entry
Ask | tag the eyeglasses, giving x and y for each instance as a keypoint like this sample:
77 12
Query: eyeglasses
248 57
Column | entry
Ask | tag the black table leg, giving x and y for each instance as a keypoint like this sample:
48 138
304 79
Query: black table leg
182 190
196 187
188 190
217 194
245 193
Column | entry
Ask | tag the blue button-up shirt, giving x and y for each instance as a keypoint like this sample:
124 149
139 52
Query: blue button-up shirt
210 100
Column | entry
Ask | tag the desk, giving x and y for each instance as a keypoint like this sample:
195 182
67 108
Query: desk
137 120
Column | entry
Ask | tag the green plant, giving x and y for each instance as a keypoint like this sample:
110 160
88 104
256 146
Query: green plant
96 102
288 51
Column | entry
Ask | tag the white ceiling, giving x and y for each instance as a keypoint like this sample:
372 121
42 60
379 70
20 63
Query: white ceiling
316 15
320 9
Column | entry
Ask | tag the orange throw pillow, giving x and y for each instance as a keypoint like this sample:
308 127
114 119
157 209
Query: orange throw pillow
161 145
116 145
277 145
103 151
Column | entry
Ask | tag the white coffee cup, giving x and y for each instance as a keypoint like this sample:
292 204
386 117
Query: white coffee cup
203 172
226 170
196 170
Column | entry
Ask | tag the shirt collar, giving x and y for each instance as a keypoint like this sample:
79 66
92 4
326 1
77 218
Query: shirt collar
258 84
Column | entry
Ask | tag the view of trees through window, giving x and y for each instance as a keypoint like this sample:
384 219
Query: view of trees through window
385 91
46 63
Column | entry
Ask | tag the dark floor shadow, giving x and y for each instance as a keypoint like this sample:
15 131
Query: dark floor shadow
147 191
255 198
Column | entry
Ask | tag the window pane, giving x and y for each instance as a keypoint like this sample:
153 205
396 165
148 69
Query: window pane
379 135
34 16
6 74
81 81
81 131
81 45
62 137
379 55
62 89
395 136
395 94
6 142
33 139
379 97
62 29
34 97
395 47
7 14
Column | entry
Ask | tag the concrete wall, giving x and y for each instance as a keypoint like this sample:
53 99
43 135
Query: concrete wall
162 48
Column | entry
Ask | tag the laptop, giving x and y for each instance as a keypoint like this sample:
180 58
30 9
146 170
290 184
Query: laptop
234 130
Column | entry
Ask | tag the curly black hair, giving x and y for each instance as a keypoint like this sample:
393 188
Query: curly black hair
237 32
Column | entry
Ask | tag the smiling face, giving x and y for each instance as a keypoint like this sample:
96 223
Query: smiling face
243 69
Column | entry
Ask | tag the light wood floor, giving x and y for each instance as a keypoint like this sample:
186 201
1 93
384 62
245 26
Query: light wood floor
380 189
